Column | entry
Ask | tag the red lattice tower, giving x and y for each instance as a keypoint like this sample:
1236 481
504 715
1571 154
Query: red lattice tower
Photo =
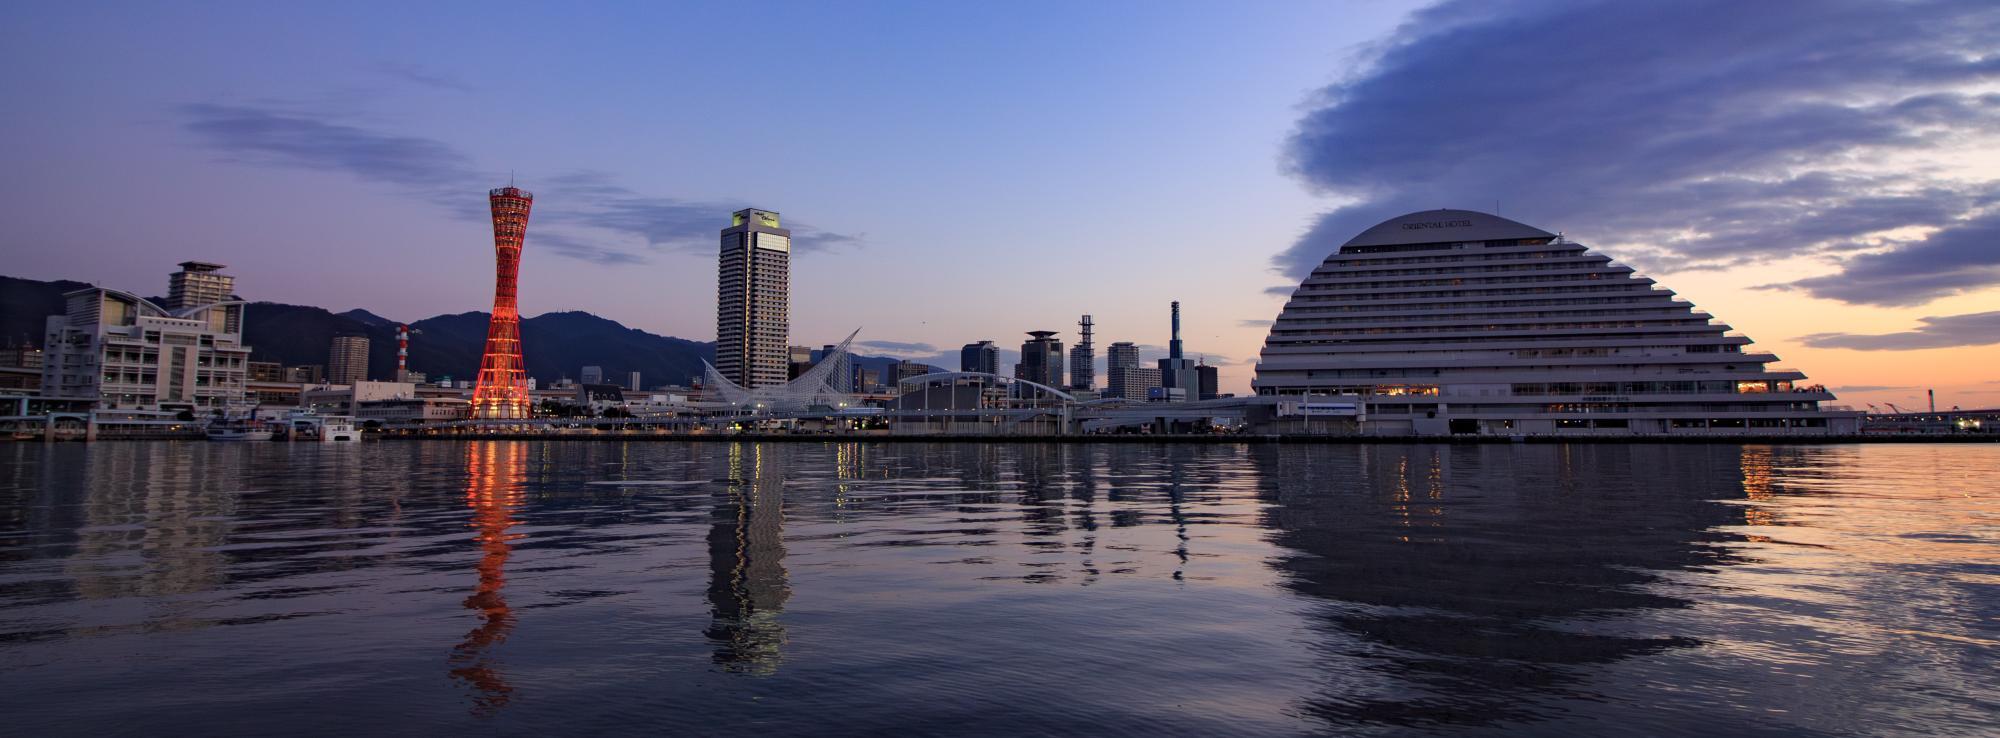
503 380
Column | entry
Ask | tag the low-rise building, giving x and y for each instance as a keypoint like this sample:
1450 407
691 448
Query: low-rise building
125 352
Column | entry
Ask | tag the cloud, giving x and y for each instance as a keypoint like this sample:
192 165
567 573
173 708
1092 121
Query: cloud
667 224
564 245
275 137
1974 329
1686 135
900 346
1256 322
1870 388
582 215
424 76
1962 257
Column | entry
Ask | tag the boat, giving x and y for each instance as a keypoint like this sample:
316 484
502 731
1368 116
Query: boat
239 430
337 428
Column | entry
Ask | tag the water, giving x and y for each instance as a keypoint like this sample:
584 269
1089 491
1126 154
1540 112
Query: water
537 588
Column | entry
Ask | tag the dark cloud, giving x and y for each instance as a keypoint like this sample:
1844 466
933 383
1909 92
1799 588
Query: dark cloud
1956 259
1870 388
665 223
1975 329
275 137
564 245
583 215
1257 322
899 346
1682 135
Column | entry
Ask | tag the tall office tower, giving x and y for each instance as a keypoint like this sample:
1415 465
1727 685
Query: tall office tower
503 379
979 357
347 359
198 283
201 283
1177 373
1209 380
591 375
1083 359
1120 357
753 288
1041 359
632 382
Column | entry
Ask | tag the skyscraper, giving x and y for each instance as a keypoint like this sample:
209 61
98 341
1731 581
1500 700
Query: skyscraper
1124 377
1177 373
752 306
503 381
1083 359
347 359
979 357
198 283
1041 359
201 283
591 375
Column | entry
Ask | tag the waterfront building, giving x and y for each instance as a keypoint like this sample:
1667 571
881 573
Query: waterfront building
124 352
591 375
908 369
20 369
1041 359
1455 321
502 390
1209 381
981 357
265 371
1177 371
347 359
1119 357
753 287
1136 383
1083 358
197 284
304 374
866 380
343 399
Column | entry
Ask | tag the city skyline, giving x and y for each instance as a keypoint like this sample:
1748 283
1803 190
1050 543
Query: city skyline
1861 256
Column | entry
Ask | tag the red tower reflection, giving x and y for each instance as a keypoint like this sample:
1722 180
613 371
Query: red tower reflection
493 491
503 379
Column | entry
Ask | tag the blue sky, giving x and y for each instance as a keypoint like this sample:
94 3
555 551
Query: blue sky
968 171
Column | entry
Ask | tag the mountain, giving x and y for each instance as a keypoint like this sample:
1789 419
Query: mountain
557 344
26 303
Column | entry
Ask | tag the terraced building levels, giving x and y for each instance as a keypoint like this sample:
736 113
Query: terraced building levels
1454 321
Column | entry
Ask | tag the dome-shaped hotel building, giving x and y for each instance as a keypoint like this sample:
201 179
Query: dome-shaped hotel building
1453 321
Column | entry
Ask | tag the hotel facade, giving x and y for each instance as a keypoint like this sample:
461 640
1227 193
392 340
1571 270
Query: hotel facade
1460 322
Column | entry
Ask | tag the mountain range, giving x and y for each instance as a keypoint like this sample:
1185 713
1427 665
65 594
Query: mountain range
557 344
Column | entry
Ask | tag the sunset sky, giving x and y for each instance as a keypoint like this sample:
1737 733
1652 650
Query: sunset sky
1824 176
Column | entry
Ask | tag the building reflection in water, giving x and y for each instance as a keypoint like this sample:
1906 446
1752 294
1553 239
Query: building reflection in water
747 586
493 490
1468 581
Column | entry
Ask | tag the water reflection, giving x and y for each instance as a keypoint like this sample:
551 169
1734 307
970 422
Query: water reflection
998 588
1464 583
747 588
493 490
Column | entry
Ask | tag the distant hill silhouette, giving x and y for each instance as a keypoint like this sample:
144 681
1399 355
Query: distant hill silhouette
557 344
26 303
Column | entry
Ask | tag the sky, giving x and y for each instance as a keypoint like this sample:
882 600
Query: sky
1824 176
